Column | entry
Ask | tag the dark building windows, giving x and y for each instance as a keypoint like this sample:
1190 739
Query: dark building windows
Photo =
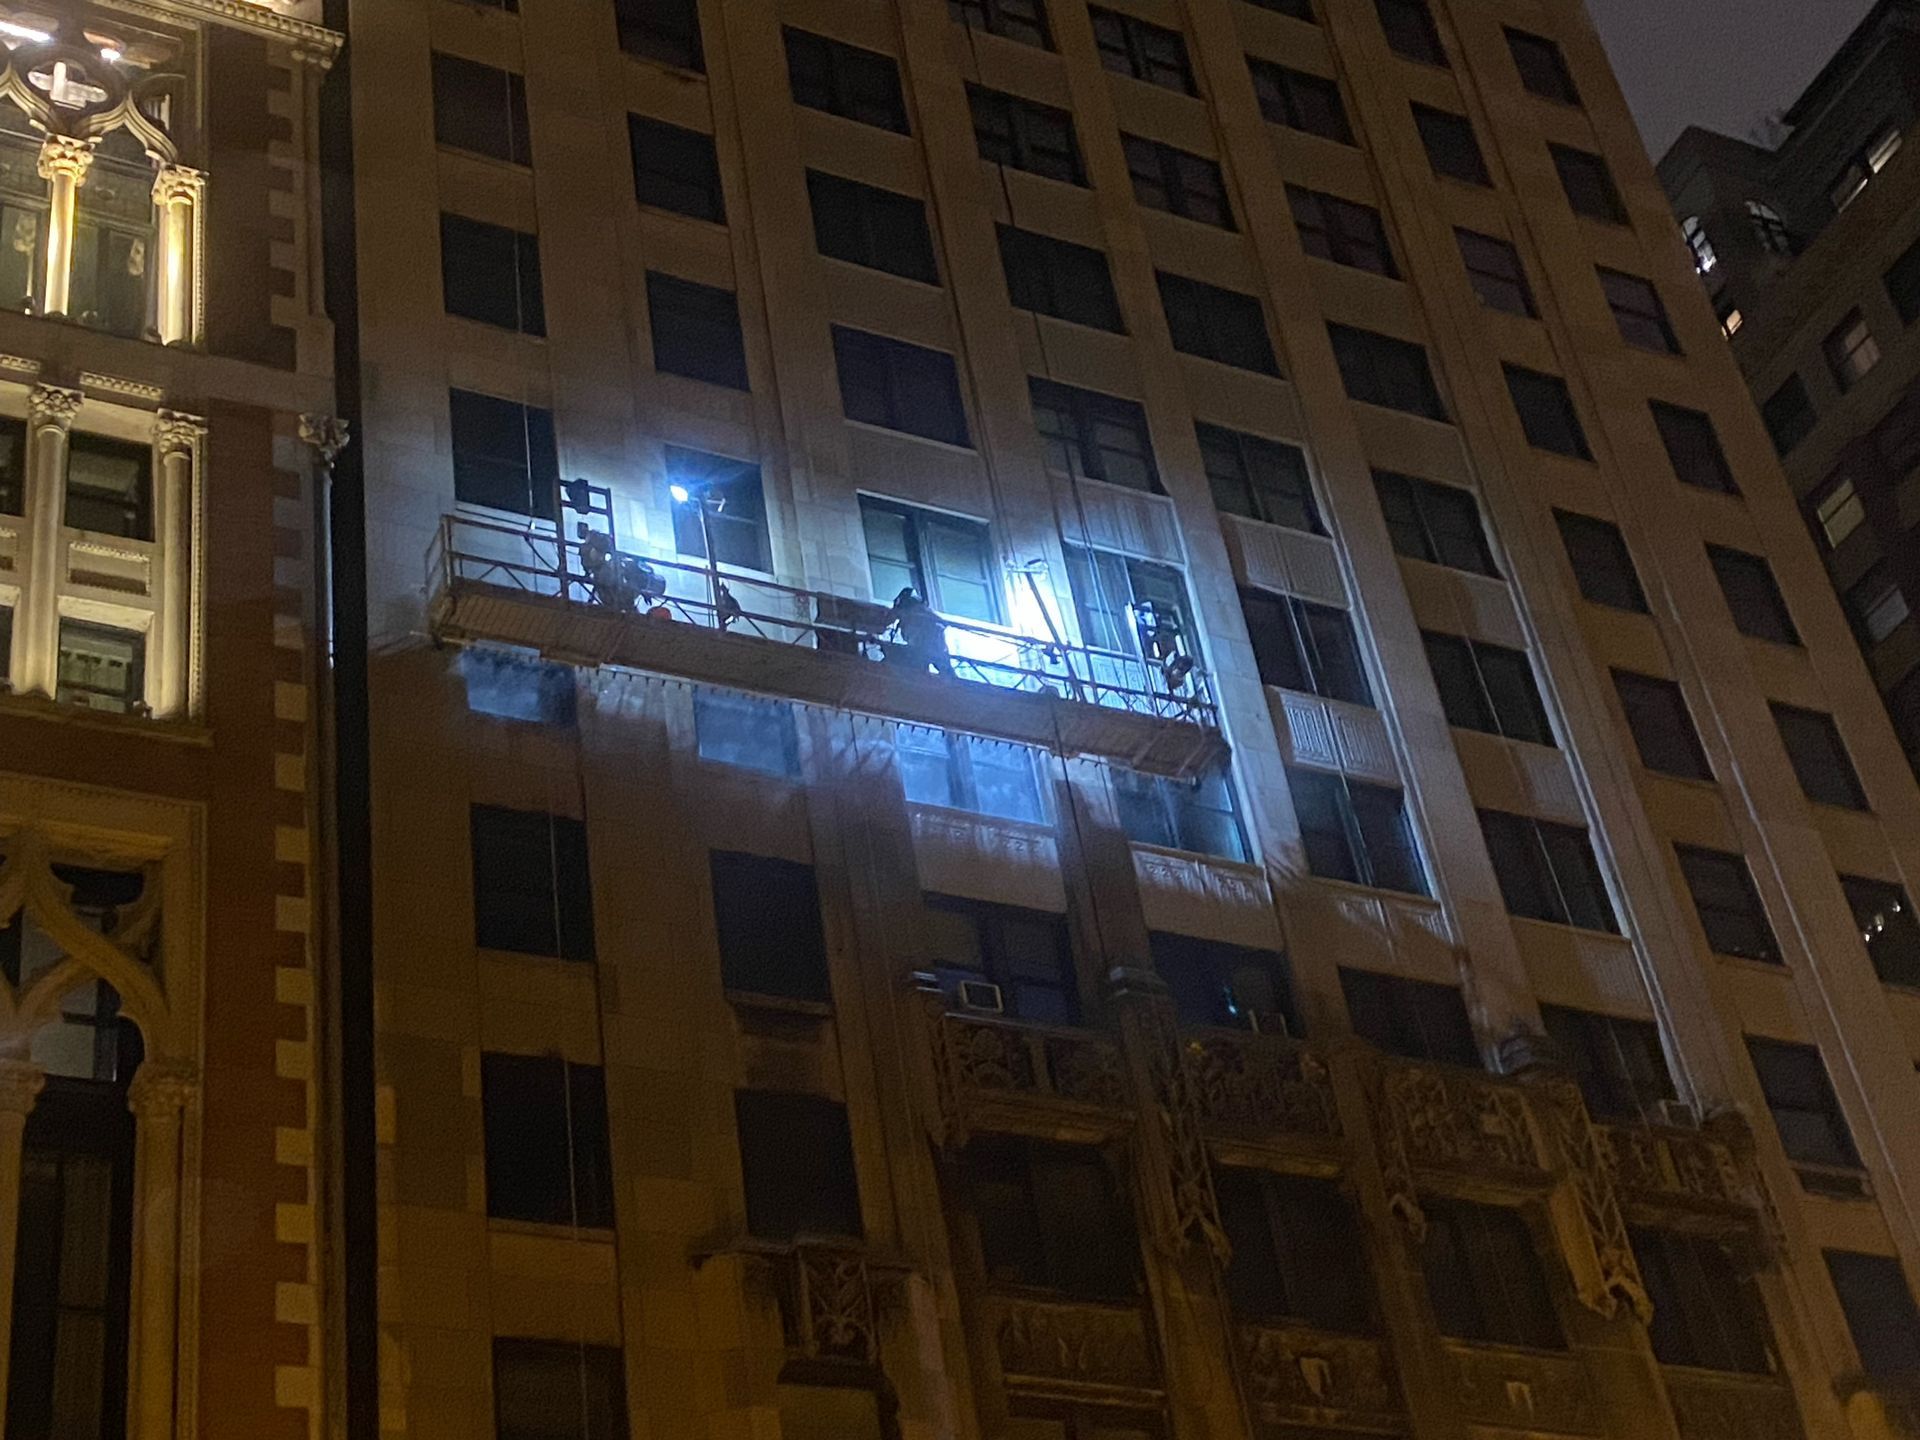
1485 1276
899 386
1758 608
1602 565
1662 726
1707 1314
1342 231
1131 46
109 488
480 109
1302 646
845 80
558 1390
1495 272
1356 832
1059 278
663 30
1729 908
675 169
1258 478
1092 436
1298 9
1021 20
1381 370
1293 1251
1589 184
1638 311
796 1156
1903 284
729 493
1546 413
1025 135
532 891
504 455
1436 523
1411 31
1851 351
1541 66
944 559
546 1138
1214 983
1022 954
696 331
1619 1065
1819 757
491 274
1300 101
1880 1312
767 913
1178 182
745 731
1197 816
100 666
1548 871
13 465
1216 324
865 225
1788 414
1887 926
1488 688
1805 1111
1051 1217
1693 448
1451 147
1416 1019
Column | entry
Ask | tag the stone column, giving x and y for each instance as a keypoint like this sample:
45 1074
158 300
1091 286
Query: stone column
177 192
20 1083
50 412
158 1095
63 163
176 447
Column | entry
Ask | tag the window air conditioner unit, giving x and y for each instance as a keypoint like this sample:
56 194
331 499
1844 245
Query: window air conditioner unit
1676 1115
981 995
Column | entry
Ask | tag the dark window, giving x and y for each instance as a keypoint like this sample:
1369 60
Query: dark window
491 274
1488 688
957 771
532 889
1620 1067
6 645
1300 101
796 1156
1342 231
1546 413
546 1137
1903 284
1485 1276
1436 523
664 30
1052 1218
1258 478
1197 816
746 731
1413 1018
1298 645
899 386
1214 983
1880 1312
1805 1111
696 331
1729 908
1589 184
946 560
1693 448
676 169
729 493
1887 926
1758 609
1495 272
844 80
13 465
865 225
101 667
480 109
767 913
1411 31
1543 69
1662 726
1548 871
1706 1312
1025 135
1298 9
1788 414
1452 149
558 1390
1059 278
1217 324
1380 370
1178 181
109 486
1602 564
1819 757
1130 46
1356 832
504 456
1294 1256
1638 311
1091 436
1022 20
1023 952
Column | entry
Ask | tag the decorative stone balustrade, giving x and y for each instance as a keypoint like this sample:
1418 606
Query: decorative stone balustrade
1300 1376
828 1305
1004 1075
1669 1166
1443 1117
1075 1348
1259 1086
1714 1405
1533 1390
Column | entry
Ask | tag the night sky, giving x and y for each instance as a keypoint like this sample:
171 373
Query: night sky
1723 64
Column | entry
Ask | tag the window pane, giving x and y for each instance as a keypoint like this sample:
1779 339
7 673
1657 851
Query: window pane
796 1156
767 913
1662 726
746 731
1602 566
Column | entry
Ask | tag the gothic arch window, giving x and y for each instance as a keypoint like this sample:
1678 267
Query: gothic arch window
113 239
23 210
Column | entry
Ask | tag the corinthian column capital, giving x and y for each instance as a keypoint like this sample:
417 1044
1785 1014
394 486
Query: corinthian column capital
326 434
53 405
161 1089
65 155
179 182
174 432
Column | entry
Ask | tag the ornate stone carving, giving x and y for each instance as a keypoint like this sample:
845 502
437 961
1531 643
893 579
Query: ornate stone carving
1079 1346
53 405
178 182
325 433
174 432
1525 1390
1177 1181
976 1059
1308 1377
1459 1119
162 1088
1713 1406
831 1314
1262 1085
65 155
1594 1233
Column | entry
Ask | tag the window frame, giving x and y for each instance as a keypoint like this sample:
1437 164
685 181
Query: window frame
1283 92
1341 231
1413 533
921 560
1020 149
879 366
1251 492
1588 183
1084 413
1509 293
1358 835
1125 44
1304 627
1547 847
1668 723
844 91
1508 706
1060 279
1167 171
1732 916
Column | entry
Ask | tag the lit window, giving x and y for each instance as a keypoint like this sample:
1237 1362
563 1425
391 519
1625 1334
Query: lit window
1704 258
1863 165
1770 228
1883 149
1840 513
1852 351
1731 322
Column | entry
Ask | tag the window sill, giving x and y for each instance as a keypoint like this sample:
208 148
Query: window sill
981 817
40 707
1249 868
546 1230
888 430
537 526
1502 1347
782 1004
1412 899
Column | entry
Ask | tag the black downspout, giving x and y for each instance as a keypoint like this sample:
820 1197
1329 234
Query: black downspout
359 1394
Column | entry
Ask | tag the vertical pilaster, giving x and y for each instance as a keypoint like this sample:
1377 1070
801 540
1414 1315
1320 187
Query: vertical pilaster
20 1085
158 1098
63 163
177 192
176 448
50 412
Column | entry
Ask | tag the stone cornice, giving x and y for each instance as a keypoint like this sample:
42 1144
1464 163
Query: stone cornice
320 43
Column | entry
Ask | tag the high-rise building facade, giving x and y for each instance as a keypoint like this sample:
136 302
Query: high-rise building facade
1811 250
1100 720
161 340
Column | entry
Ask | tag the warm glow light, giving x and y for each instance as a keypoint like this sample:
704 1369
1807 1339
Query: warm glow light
24 32
109 54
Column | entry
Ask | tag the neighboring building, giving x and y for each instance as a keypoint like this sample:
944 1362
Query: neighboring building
1811 251
160 342
1382 656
